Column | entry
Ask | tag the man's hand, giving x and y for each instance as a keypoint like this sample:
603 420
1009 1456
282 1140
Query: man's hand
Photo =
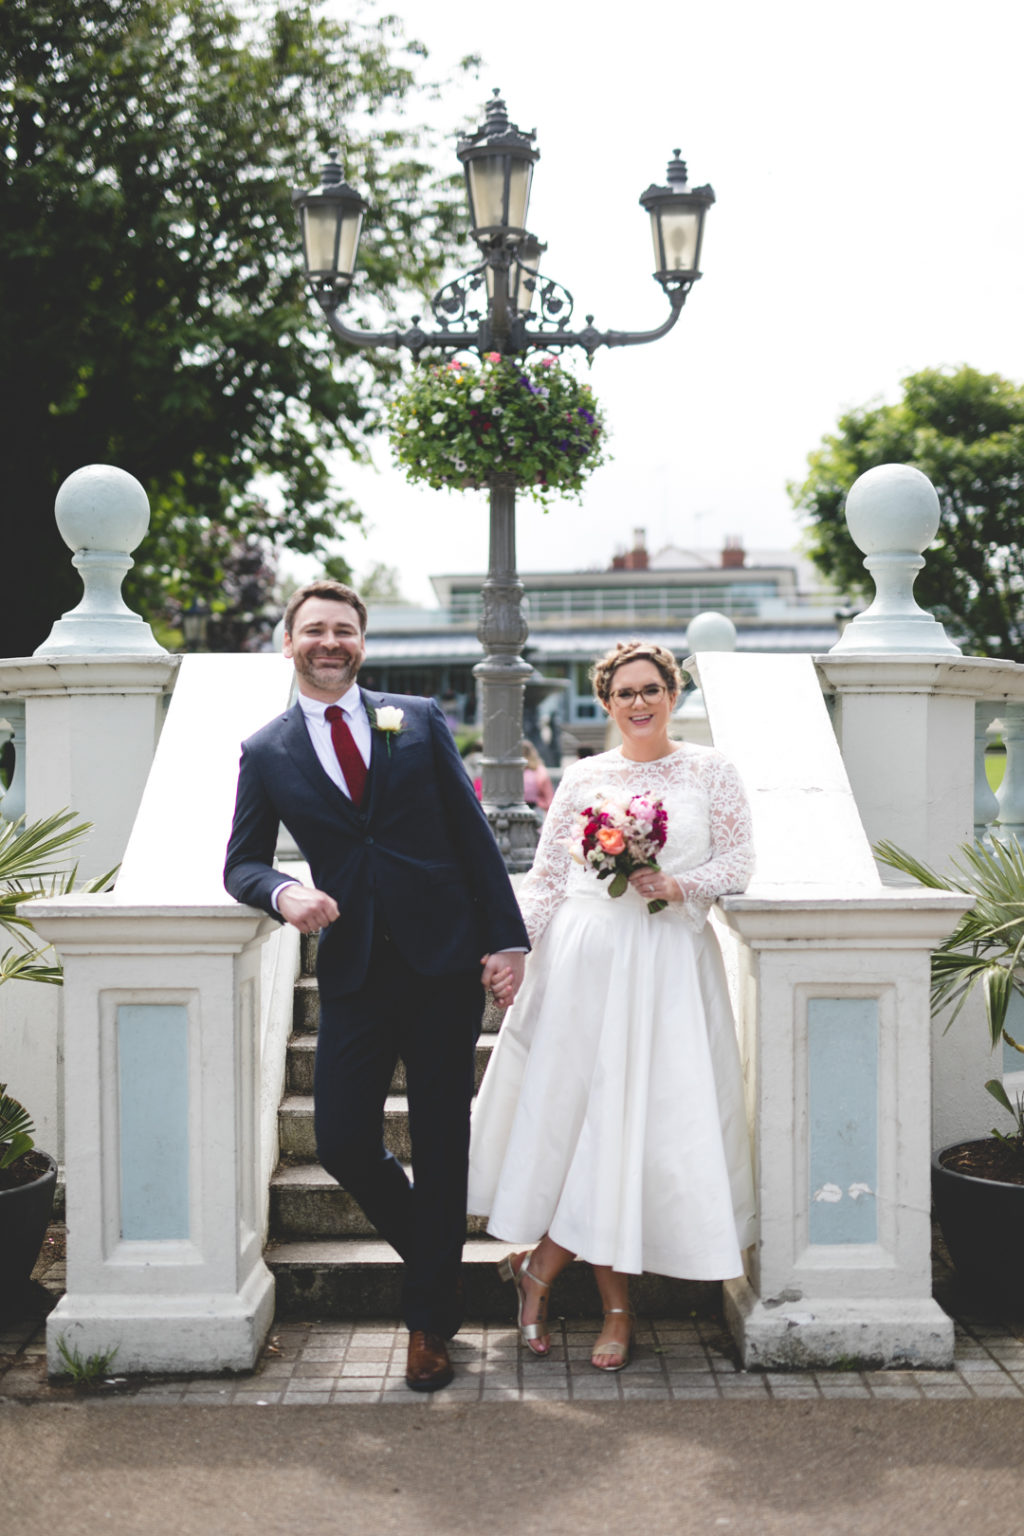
502 975
307 910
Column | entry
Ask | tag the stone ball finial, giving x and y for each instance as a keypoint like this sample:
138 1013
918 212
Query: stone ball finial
892 509
892 512
711 631
102 513
102 507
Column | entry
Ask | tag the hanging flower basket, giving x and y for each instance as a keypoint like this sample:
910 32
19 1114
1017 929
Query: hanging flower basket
459 424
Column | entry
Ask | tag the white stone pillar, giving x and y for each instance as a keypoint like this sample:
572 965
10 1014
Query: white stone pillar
162 1014
836 1037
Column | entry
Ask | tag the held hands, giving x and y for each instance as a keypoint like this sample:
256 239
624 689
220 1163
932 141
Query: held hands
502 975
307 910
655 885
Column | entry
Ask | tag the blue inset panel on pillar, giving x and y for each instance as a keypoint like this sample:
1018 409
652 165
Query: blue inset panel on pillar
842 1080
152 1055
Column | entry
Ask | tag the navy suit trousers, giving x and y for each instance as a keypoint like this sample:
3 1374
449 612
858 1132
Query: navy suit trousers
432 1025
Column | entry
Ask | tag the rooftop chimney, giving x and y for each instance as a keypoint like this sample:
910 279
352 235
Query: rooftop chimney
733 555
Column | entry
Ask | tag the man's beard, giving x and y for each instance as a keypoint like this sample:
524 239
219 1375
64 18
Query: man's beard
340 677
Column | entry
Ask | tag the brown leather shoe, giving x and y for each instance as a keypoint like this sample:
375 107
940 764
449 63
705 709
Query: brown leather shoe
428 1368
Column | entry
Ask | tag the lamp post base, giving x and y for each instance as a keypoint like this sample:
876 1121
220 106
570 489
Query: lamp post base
515 832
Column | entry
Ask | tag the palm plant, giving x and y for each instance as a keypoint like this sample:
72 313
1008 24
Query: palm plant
985 948
16 1129
33 862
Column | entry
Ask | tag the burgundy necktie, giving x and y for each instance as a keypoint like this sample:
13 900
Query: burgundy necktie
348 754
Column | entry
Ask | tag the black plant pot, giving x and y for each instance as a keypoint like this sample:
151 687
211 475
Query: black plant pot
24 1216
982 1221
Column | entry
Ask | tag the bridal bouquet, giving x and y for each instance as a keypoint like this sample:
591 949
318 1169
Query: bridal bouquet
618 837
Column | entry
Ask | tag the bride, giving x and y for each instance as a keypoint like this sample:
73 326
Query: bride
610 1123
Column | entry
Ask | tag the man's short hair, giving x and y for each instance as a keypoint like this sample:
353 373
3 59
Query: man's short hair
335 591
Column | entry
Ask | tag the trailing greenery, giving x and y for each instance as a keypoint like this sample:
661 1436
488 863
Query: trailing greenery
986 946
456 424
965 431
152 303
33 862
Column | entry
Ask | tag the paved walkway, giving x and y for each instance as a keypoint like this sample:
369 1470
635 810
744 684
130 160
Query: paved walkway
363 1363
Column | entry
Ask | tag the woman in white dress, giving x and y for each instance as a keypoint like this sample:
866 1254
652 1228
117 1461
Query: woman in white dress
611 1121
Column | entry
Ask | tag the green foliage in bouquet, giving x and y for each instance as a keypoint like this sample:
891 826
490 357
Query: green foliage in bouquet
457 424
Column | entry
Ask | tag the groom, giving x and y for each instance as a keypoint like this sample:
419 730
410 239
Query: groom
411 899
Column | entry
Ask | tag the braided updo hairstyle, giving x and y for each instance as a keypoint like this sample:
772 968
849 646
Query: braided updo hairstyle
604 669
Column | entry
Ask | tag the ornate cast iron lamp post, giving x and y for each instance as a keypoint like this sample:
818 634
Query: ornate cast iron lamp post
502 305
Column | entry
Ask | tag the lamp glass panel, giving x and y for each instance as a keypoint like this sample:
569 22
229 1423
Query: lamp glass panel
486 176
680 229
320 228
351 229
520 177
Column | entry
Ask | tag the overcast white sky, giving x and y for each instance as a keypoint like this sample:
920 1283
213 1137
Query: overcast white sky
867 163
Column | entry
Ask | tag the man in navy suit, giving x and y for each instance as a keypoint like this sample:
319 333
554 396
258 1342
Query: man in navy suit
416 919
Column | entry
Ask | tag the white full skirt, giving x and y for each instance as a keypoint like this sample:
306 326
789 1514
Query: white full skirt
612 1112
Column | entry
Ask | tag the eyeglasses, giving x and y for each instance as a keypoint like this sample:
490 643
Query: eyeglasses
650 694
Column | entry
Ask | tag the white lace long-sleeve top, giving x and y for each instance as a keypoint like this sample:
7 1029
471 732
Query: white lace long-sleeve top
708 845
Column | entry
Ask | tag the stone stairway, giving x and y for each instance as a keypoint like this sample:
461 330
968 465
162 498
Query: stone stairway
326 1257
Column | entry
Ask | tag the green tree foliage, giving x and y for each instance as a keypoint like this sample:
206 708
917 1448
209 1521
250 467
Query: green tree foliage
152 307
965 431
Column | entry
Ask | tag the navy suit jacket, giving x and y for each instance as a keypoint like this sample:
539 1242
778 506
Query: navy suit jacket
419 856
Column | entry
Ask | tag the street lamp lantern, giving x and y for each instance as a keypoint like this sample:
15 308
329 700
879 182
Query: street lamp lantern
331 221
503 305
498 160
677 226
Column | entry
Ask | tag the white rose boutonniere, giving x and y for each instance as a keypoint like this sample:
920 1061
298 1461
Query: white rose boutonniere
388 720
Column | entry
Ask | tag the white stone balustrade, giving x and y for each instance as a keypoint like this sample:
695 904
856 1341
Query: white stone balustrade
833 971
1010 795
87 709
906 712
12 806
174 1058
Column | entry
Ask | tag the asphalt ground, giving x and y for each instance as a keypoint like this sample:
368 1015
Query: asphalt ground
801 1468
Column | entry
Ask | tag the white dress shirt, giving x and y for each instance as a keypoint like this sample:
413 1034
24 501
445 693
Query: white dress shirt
319 728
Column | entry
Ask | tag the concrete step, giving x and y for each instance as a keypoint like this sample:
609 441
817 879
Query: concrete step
298 1139
356 1278
306 1204
306 1009
302 1054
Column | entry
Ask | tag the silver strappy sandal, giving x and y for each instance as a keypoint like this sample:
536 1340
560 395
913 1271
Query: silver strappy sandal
530 1333
614 1347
